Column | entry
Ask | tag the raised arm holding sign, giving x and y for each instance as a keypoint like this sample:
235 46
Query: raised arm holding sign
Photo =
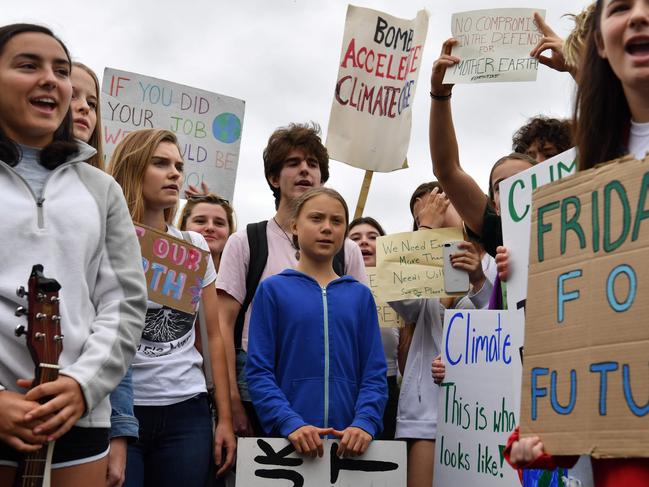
478 211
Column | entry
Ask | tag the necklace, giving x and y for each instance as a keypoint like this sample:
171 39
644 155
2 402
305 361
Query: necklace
297 251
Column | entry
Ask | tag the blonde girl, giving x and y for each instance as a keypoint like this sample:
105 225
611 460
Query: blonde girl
175 437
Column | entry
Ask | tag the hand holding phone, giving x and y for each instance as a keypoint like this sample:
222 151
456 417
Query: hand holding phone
455 280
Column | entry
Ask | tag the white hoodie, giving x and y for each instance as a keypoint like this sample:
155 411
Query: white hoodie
81 232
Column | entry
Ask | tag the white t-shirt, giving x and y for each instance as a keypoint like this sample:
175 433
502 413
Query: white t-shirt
281 255
167 366
639 139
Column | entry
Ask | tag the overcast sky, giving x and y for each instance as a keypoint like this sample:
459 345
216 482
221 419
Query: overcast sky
281 57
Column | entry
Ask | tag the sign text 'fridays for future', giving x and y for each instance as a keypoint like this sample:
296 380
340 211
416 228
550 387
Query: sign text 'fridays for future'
494 45
208 125
479 398
585 379
371 113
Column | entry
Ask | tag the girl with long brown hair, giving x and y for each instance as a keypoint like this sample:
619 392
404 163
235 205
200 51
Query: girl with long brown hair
60 212
612 119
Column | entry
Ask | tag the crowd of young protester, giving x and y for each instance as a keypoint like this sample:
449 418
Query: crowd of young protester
286 341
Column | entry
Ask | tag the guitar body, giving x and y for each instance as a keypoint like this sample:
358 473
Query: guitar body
45 343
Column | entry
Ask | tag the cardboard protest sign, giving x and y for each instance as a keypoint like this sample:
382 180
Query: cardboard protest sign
388 318
515 204
494 45
369 125
411 264
479 398
208 125
270 462
585 379
174 269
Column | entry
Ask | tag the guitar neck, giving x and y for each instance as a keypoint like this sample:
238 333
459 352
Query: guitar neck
31 471
45 373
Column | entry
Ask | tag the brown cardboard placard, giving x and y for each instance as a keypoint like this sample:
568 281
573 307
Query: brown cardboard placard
585 369
174 269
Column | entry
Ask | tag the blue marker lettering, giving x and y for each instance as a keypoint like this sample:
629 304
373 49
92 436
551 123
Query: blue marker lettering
610 288
603 368
537 391
562 296
573 393
628 395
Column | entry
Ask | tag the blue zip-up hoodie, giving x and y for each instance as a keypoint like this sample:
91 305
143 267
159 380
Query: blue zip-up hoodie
315 355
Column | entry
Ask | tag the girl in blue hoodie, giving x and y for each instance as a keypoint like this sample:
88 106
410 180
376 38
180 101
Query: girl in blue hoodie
315 359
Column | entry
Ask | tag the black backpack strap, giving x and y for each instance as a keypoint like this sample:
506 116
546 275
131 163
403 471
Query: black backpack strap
258 245
339 261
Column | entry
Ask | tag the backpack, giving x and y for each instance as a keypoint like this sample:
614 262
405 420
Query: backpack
258 244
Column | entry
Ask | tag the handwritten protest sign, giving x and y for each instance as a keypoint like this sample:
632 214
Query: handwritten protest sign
411 264
173 268
585 379
270 462
494 45
208 125
388 318
369 125
515 203
479 398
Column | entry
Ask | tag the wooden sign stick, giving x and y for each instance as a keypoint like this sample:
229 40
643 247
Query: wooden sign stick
362 197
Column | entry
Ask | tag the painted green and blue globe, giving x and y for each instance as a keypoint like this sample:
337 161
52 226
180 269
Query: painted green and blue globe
226 128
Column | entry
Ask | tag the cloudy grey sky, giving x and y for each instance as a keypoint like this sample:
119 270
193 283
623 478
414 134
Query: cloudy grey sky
281 57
